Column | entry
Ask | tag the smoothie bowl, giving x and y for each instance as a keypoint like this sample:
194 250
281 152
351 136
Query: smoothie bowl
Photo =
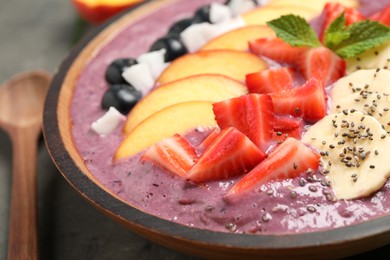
223 139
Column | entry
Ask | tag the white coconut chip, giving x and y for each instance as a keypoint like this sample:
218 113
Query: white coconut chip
155 61
140 77
106 124
219 13
196 35
238 7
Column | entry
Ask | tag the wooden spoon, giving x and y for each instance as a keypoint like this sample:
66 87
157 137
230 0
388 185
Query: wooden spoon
21 109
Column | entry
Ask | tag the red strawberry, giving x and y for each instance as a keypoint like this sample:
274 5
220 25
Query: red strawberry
382 16
276 49
174 154
251 114
207 141
323 64
333 10
307 101
270 80
285 127
288 160
229 154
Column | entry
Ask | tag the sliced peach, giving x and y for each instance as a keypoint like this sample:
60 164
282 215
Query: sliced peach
178 118
238 38
231 63
208 87
261 15
317 5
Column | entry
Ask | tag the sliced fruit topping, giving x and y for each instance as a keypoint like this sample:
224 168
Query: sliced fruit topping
251 114
332 10
382 16
230 153
172 45
287 126
209 139
174 154
354 150
276 49
114 71
270 80
178 118
307 101
208 87
378 57
234 64
121 96
323 64
288 160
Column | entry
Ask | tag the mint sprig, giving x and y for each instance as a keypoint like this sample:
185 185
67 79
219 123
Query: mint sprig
347 42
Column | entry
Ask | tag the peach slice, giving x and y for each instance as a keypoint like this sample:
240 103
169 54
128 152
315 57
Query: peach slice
261 15
231 63
208 87
178 118
238 38
317 5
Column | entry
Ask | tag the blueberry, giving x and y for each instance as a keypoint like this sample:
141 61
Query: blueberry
172 44
121 96
115 69
202 14
178 27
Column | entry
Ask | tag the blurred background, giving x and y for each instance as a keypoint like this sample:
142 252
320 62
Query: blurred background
38 34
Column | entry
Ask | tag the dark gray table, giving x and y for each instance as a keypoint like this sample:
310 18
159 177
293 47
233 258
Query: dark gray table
38 34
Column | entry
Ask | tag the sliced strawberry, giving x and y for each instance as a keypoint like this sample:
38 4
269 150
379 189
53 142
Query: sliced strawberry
174 154
323 64
332 10
288 160
229 154
209 139
270 80
382 16
285 127
251 114
307 102
276 49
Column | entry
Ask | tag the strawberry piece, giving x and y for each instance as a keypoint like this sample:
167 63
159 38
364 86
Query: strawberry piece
209 139
276 49
323 64
251 114
307 101
288 160
270 80
229 154
382 16
285 127
174 154
332 10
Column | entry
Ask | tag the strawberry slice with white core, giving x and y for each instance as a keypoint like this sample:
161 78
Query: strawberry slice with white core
174 154
270 80
323 64
251 114
276 49
230 153
307 101
288 160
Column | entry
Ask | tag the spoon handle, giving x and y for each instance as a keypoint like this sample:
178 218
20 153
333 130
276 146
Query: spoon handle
23 236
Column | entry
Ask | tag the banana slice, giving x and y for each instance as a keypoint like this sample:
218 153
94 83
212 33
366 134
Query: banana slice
378 57
375 104
354 150
375 80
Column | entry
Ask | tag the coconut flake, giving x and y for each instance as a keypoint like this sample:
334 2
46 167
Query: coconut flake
219 13
140 77
227 26
196 35
106 124
155 61
238 7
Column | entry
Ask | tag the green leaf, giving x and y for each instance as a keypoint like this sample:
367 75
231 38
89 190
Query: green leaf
363 36
294 30
336 32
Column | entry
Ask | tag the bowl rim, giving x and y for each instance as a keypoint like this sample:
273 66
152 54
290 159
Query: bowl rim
378 228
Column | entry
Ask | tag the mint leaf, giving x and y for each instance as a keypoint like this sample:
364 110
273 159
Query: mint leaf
363 36
336 32
294 30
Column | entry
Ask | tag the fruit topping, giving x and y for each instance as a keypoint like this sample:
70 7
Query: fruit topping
106 124
202 14
172 45
352 145
382 16
179 26
121 96
174 154
322 64
270 80
230 153
251 114
307 101
289 160
115 69
219 13
139 76
287 126
240 6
